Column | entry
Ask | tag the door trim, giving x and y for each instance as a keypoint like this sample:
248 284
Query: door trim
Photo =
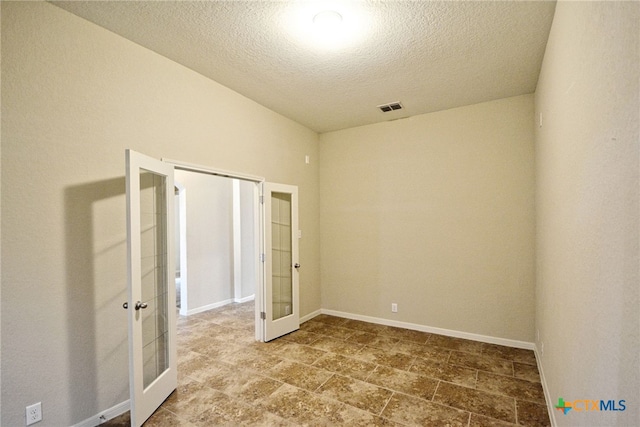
257 226
213 171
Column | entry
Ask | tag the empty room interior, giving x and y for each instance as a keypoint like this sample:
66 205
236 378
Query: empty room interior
466 173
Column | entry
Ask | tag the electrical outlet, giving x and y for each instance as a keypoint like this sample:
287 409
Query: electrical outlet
394 307
34 413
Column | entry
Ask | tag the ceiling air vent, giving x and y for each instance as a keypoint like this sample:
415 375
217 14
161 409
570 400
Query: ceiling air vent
385 108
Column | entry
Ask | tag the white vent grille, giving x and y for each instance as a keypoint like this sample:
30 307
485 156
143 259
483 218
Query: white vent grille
393 106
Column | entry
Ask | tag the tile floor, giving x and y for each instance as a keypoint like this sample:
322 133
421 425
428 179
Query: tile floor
335 371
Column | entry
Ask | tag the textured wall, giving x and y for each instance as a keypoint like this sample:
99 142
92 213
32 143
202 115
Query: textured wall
74 96
587 162
434 213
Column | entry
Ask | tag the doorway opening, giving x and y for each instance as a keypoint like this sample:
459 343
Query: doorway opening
252 263
217 240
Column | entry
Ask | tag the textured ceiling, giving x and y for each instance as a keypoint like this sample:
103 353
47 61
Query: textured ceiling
428 55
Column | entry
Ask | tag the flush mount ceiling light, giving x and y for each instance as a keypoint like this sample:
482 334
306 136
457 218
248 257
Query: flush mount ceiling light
328 19
325 25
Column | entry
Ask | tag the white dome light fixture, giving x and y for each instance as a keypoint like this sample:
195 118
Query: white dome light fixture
329 30
326 25
328 19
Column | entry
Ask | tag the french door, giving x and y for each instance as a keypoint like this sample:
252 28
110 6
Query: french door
280 306
151 301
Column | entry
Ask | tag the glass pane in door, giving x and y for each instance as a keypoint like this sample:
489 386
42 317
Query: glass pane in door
153 245
282 293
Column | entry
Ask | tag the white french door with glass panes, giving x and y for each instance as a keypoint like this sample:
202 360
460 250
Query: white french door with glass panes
281 308
151 302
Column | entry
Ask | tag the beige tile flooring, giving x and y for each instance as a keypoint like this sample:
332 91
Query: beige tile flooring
335 371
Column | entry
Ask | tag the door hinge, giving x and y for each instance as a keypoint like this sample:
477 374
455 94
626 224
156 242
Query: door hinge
262 257
263 315
262 200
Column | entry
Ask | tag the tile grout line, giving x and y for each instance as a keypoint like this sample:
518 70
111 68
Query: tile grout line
493 393
449 406
386 403
413 362
435 391
333 374
514 399
370 373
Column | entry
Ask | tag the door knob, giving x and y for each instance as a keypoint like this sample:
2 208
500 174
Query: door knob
140 305
125 305
297 266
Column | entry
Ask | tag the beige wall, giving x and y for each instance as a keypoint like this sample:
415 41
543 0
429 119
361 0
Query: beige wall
209 221
587 161
210 240
0 226
434 213
248 255
74 96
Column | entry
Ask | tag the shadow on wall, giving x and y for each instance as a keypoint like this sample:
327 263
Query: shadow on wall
95 250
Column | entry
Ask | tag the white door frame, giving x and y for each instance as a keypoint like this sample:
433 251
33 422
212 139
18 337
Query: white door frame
182 248
257 180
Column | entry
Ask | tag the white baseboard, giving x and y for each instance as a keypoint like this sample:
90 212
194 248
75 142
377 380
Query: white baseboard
208 307
547 396
217 305
245 299
310 316
105 416
440 331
